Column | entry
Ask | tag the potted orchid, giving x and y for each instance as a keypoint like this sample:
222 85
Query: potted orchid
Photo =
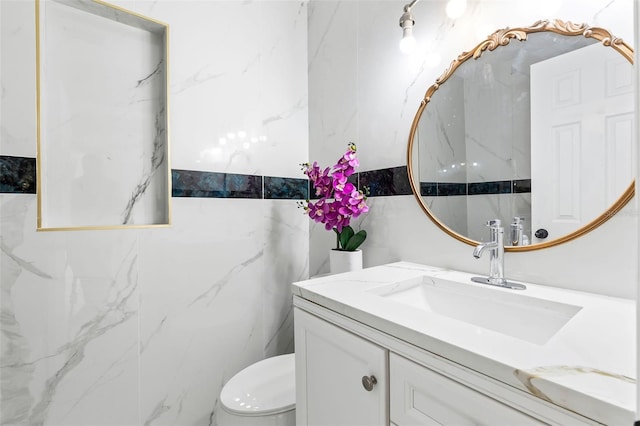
339 201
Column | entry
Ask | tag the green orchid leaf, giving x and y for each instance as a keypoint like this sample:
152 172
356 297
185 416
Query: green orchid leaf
355 241
345 236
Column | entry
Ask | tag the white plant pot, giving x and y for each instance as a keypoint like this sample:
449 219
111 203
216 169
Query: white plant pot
345 261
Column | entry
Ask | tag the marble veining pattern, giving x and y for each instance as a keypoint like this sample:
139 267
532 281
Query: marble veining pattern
527 377
117 311
157 72
211 292
158 158
40 361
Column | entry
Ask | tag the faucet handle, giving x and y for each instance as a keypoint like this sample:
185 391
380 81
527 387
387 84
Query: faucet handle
494 223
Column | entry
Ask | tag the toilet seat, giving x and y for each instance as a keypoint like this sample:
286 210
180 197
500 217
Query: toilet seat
264 388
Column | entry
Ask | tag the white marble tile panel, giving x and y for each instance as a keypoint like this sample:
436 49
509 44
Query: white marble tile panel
17 76
215 83
283 92
252 116
250 85
69 323
202 313
321 242
333 80
286 254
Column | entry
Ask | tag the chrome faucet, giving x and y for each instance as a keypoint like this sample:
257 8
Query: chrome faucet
496 259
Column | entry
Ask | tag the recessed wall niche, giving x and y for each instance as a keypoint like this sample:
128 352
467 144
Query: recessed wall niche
103 114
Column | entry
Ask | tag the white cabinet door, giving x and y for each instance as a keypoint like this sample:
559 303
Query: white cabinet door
420 396
330 366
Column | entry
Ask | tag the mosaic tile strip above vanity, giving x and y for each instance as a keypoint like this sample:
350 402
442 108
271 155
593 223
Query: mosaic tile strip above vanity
285 188
189 183
384 182
17 175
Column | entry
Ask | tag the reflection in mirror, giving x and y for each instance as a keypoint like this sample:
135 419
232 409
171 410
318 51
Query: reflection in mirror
534 127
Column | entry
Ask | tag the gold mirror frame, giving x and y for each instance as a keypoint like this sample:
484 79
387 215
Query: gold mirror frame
502 38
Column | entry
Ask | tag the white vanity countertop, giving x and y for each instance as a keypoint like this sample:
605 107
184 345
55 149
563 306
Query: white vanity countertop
588 366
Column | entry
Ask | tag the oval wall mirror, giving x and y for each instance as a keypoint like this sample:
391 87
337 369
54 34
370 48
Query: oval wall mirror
535 127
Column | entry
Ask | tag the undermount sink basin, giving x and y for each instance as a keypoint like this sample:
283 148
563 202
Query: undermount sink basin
501 310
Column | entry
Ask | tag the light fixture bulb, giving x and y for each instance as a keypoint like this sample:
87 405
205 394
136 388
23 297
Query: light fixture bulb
456 8
408 42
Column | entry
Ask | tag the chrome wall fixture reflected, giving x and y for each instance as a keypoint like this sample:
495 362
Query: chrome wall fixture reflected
533 126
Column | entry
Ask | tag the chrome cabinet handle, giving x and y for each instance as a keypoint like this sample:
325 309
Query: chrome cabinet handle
369 382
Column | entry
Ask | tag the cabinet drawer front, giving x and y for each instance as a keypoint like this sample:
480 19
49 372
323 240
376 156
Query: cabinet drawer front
420 396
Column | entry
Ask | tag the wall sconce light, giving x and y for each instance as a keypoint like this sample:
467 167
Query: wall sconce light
454 9
408 42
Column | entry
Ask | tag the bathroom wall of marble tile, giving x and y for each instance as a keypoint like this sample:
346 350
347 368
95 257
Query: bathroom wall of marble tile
133 327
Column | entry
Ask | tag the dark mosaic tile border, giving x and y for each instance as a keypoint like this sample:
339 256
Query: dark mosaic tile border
521 186
386 182
277 188
495 187
17 175
445 189
189 183
448 189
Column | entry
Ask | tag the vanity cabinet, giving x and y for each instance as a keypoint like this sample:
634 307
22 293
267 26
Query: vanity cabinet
337 357
341 379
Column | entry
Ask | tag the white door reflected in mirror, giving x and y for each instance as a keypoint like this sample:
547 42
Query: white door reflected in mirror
581 134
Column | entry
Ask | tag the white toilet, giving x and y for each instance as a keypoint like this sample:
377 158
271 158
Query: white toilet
262 394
